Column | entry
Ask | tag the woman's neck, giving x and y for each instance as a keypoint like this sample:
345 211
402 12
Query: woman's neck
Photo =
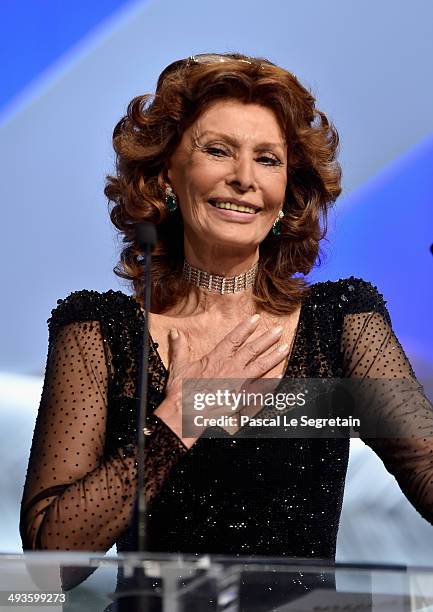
220 261
228 306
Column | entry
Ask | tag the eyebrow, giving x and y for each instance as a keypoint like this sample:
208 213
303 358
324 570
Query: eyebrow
232 140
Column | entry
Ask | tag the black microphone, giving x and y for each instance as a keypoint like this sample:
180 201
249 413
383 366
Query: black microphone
145 234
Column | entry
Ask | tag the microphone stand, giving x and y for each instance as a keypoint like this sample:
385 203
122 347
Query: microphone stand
137 599
146 238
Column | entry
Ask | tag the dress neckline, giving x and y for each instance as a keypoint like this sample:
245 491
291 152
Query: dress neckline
291 354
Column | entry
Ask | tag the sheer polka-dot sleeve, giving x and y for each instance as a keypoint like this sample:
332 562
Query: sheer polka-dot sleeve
396 400
75 496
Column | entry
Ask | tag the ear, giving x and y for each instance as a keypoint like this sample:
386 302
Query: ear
164 178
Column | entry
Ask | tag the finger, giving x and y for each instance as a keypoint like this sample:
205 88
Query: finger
262 364
252 350
239 334
178 347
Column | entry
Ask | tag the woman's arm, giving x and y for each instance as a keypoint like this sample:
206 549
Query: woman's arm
74 497
396 402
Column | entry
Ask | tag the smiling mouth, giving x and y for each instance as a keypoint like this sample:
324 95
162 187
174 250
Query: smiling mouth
233 207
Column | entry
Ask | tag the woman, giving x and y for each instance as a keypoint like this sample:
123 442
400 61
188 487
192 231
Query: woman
236 167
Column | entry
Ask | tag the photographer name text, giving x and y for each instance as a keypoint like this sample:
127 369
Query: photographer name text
280 420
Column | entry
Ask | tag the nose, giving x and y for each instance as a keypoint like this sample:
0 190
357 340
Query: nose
242 175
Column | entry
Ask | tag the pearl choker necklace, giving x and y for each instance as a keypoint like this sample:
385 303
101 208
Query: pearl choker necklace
218 283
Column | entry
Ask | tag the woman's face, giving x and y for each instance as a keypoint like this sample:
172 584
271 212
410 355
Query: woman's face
233 153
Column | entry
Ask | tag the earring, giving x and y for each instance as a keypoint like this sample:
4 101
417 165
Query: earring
276 228
170 199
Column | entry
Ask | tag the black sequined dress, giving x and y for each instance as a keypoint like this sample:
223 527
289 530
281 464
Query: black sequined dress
235 495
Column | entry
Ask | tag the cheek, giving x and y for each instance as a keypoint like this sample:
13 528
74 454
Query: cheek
202 179
275 191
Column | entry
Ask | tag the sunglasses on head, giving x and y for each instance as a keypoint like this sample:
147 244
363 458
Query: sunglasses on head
210 58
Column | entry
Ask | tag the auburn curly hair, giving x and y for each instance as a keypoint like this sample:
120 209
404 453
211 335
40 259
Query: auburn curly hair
151 130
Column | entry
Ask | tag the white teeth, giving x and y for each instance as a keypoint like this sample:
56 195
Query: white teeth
230 206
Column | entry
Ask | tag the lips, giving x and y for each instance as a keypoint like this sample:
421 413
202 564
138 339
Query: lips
235 216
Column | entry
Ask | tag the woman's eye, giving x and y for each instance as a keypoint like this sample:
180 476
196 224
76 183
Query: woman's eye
274 161
270 161
215 150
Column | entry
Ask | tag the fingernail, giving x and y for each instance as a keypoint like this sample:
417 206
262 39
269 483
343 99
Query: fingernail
255 318
174 333
283 348
277 330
